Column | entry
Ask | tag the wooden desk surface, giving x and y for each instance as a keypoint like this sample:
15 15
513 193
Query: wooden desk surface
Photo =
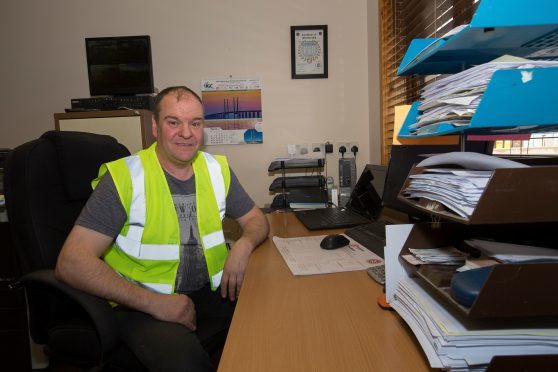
319 323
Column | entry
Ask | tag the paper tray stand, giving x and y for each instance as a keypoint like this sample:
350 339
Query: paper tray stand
516 27
512 195
515 101
511 291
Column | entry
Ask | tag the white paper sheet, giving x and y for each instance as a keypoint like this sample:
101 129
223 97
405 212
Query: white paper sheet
304 256
448 342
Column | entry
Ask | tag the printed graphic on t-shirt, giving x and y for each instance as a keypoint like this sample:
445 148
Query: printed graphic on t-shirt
192 271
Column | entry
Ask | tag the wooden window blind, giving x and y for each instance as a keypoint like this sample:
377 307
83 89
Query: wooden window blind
400 22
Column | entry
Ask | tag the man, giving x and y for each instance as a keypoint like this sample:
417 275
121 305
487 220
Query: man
150 238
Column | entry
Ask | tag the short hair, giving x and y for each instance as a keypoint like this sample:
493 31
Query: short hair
179 90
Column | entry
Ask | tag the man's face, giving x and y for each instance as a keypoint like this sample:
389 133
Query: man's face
179 130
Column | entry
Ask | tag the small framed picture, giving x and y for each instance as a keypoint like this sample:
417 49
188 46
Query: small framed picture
309 52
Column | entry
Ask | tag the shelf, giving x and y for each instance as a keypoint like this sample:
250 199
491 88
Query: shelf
294 182
295 163
298 191
510 104
511 291
132 128
301 198
513 195
517 27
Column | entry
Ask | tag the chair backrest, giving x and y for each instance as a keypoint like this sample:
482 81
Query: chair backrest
47 182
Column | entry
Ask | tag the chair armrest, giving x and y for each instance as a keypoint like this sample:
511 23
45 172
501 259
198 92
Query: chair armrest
98 309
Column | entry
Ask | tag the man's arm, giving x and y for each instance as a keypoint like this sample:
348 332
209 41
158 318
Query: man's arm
79 265
255 229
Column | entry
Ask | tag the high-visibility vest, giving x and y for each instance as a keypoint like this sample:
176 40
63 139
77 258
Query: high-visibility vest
147 249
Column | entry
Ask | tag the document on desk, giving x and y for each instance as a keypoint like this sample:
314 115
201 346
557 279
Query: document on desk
451 342
304 256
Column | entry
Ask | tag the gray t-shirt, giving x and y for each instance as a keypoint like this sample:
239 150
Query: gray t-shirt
104 213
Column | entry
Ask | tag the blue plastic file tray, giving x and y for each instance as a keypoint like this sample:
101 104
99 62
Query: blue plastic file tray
431 131
516 27
515 101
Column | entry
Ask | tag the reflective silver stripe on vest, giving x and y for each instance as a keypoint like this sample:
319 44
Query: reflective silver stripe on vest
216 279
137 206
131 243
213 239
217 182
135 249
158 287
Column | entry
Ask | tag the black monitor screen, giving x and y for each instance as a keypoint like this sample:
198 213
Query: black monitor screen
365 197
119 65
401 161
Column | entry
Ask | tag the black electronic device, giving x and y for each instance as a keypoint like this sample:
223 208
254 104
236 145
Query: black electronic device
298 182
347 172
295 163
301 198
371 236
364 206
119 65
347 179
145 102
365 197
334 241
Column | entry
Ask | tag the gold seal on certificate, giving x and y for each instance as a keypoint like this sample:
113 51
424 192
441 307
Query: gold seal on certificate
309 52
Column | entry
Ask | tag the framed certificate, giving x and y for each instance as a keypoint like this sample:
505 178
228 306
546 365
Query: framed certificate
309 52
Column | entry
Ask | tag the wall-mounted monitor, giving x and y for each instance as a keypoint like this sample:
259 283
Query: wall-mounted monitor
119 65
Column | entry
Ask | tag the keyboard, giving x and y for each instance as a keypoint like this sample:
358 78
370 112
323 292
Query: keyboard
371 236
378 273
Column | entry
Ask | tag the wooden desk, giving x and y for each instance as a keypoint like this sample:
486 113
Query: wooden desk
319 323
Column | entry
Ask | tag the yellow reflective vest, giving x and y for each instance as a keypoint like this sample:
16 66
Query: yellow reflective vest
147 249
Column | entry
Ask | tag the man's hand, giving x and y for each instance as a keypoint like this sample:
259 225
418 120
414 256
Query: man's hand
254 230
176 308
233 272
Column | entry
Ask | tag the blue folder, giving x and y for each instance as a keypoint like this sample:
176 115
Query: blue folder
517 27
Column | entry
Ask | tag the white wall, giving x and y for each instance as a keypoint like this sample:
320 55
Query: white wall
43 66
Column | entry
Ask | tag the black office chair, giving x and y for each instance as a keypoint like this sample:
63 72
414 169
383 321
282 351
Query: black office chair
47 182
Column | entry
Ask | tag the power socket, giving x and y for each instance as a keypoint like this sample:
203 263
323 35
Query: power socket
348 148
328 148
317 148
299 149
353 148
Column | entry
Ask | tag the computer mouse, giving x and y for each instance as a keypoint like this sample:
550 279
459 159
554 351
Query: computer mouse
334 241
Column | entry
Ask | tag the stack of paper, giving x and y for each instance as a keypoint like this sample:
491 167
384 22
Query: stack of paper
458 190
513 253
455 99
449 342
459 345
440 256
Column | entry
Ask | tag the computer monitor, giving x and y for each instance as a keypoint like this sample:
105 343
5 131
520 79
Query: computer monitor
365 197
379 173
402 159
119 65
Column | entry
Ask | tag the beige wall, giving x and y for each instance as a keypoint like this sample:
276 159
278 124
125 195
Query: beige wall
43 66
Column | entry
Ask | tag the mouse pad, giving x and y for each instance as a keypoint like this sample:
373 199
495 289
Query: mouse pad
304 256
